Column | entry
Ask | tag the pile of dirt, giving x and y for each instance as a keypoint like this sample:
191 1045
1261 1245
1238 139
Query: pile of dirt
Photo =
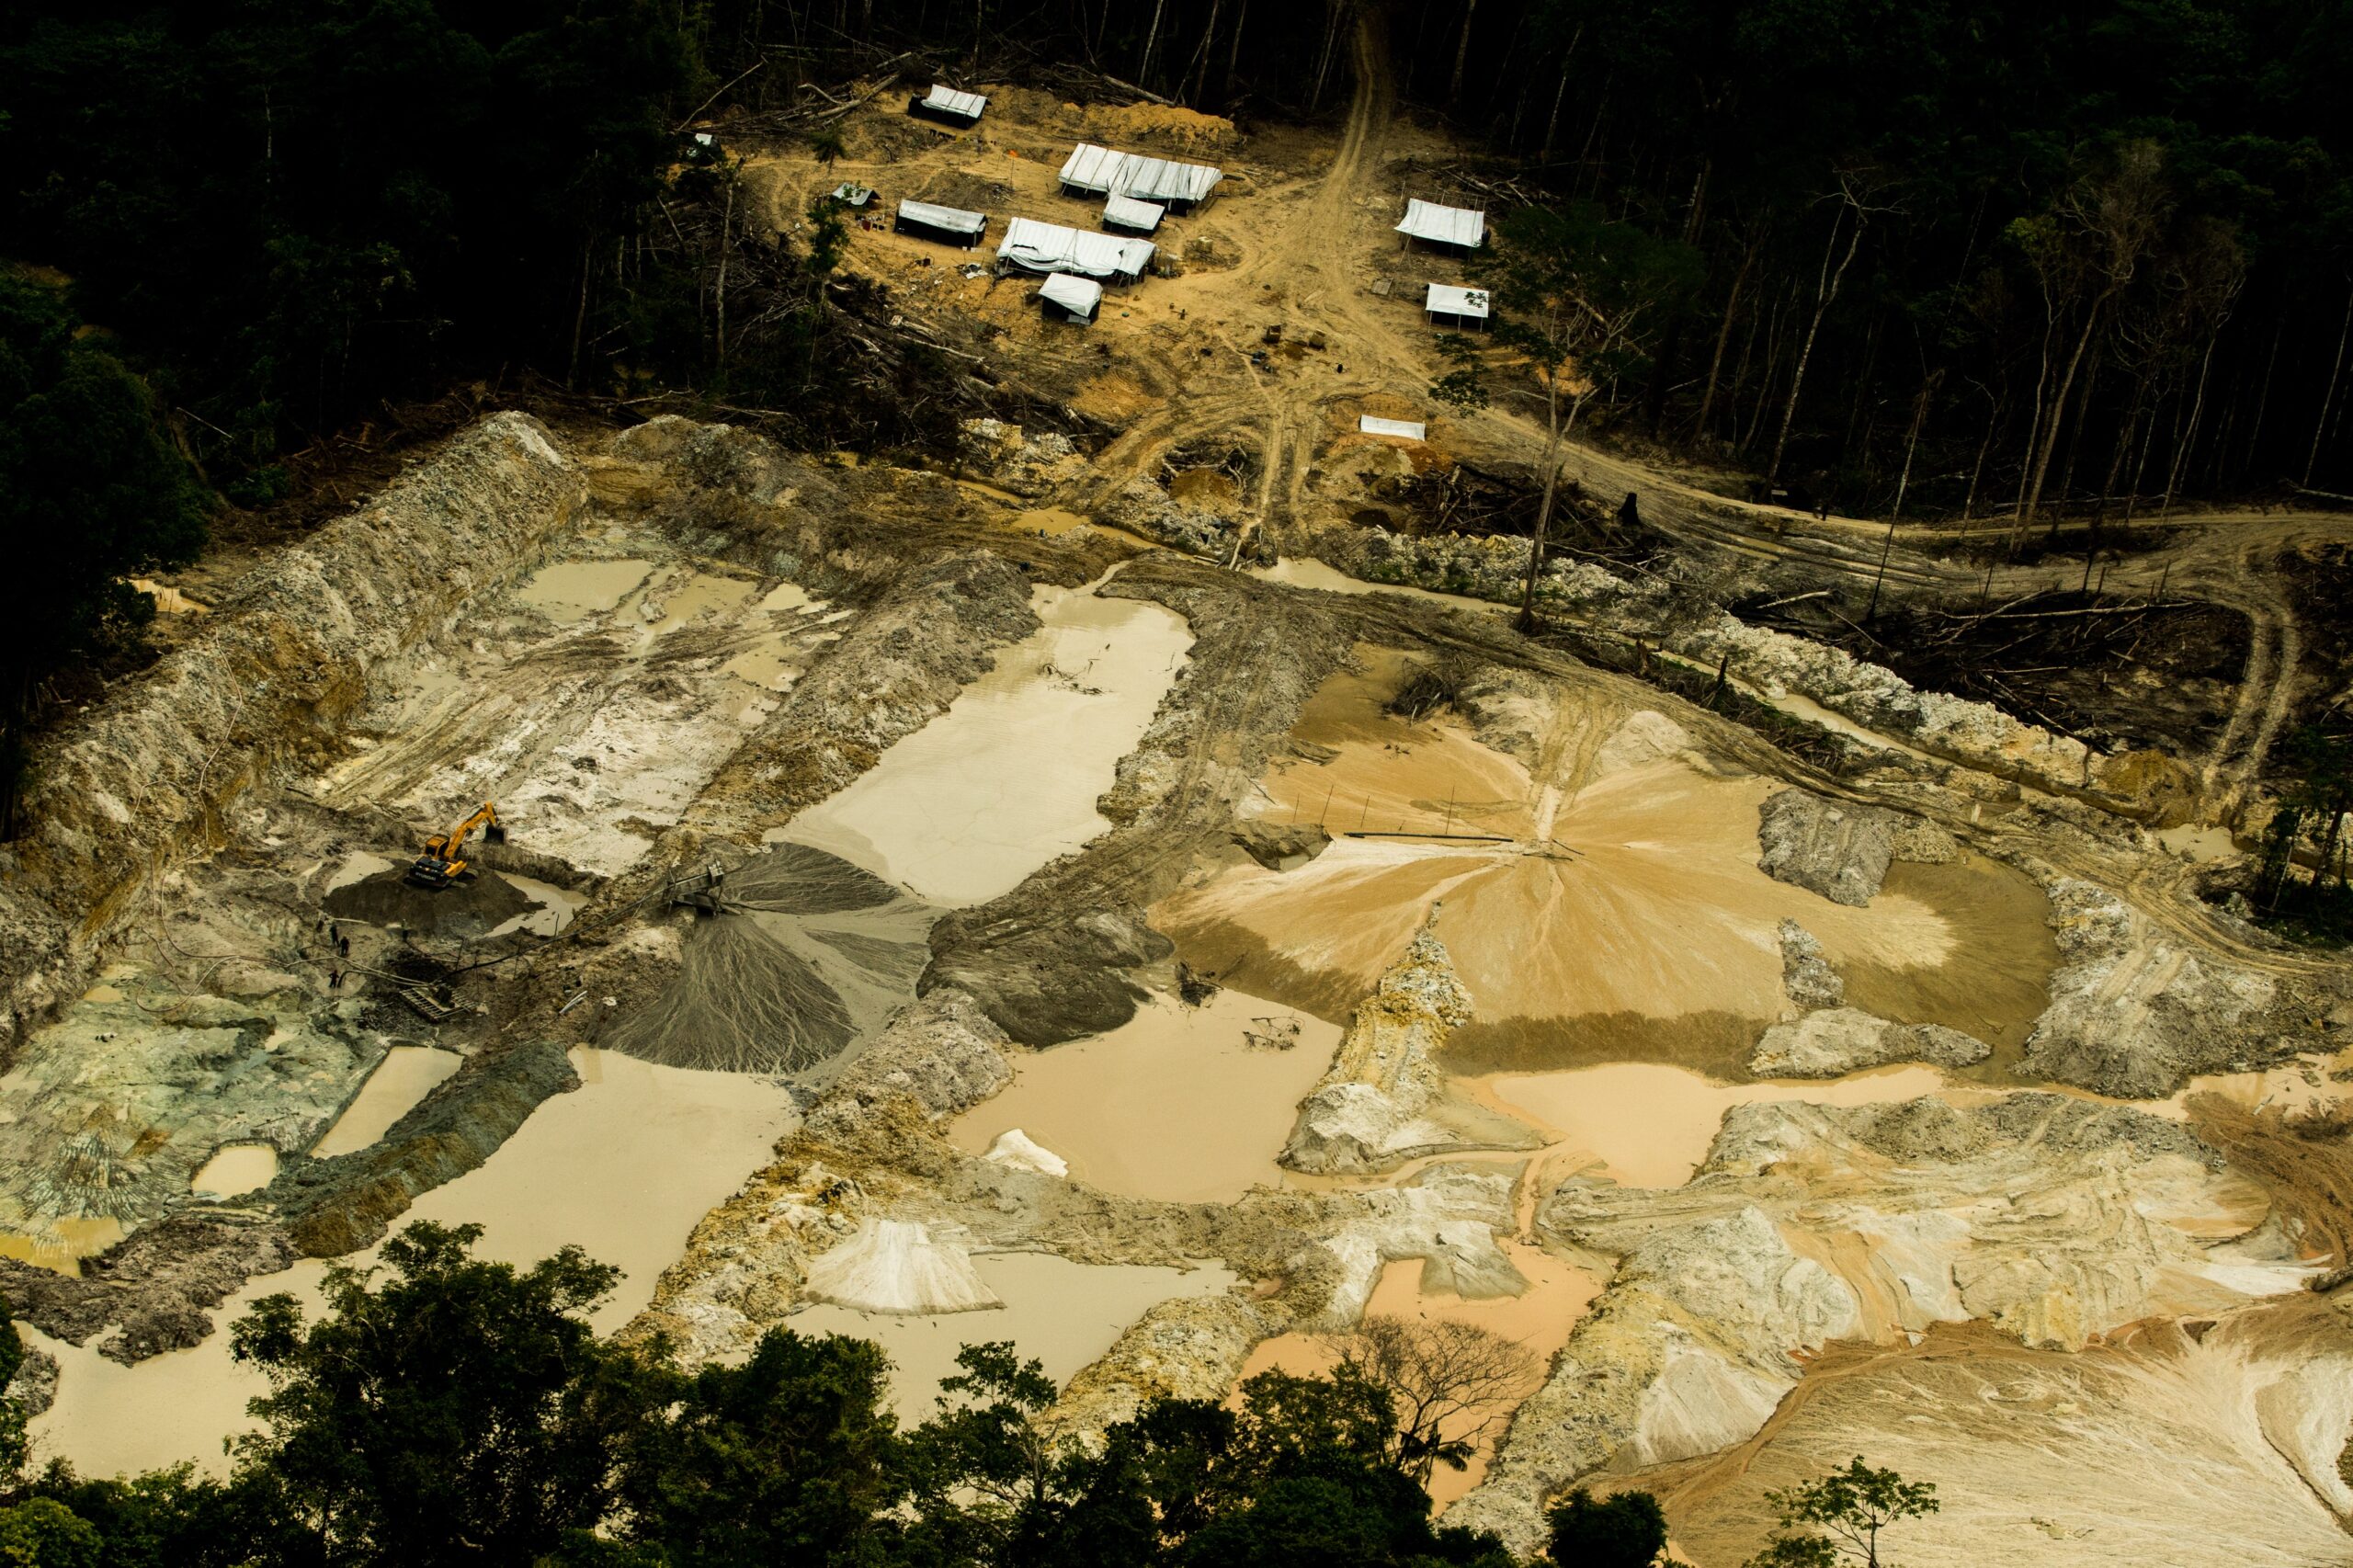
2135 1012
806 955
1836 848
1384 1101
466 909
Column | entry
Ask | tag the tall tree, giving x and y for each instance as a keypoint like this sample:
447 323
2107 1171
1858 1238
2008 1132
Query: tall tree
91 489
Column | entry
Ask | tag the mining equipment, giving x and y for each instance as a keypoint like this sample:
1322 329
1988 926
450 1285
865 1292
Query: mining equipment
444 860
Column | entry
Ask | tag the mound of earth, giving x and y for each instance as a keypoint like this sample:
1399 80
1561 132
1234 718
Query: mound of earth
806 955
471 907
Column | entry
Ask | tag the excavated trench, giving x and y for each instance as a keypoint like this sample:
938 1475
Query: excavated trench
976 780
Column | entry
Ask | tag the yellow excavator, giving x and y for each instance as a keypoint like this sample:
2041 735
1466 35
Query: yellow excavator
444 860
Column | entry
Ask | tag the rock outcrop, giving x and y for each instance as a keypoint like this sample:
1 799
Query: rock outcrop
1834 1041
2133 1013
1835 848
1384 1101
1807 978
2049 1218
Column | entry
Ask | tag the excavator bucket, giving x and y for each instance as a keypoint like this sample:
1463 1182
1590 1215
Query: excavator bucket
495 833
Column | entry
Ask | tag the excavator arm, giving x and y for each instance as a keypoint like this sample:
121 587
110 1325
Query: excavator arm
444 860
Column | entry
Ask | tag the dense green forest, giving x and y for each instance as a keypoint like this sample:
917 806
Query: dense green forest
1963 255
447 1410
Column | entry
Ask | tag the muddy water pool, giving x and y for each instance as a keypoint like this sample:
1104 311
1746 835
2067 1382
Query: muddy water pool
967 807
1649 1124
623 1166
1063 1314
404 1077
233 1169
569 590
1189 1105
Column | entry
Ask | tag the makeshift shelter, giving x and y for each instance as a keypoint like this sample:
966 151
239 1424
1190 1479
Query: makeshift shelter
1127 212
1451 304
949 226
1405 428
1457 228
948 106
1098 171
853 195
1033 247
1079 298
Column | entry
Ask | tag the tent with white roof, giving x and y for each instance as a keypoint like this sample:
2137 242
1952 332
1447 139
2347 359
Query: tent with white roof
1456 226
1033 247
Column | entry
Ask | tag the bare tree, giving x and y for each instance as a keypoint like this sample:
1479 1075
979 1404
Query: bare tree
2087 248
1454 1384
1857 194
1461 53
1576 294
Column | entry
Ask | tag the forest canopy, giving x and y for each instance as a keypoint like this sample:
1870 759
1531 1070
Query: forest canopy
2044 255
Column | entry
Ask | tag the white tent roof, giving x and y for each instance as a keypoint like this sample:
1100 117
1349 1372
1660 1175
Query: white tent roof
969 105
1131 174
1135 214
1451 300
955 220
1078 295
1049 247
1405 427
1447 225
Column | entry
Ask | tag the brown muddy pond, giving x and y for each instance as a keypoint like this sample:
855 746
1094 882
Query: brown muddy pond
1189 1105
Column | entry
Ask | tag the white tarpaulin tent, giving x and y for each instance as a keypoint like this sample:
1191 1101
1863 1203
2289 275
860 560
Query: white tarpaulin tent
951 104
1048 247
949 222
1098 171
1463 305
1082 297
1127 212
1444 225
1405 427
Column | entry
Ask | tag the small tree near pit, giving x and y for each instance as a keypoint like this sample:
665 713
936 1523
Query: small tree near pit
1624 1530
1849 1507
1576 297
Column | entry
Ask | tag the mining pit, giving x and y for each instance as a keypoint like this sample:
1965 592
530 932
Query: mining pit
1128 888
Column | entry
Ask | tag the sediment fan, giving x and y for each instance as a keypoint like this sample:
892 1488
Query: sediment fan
803 954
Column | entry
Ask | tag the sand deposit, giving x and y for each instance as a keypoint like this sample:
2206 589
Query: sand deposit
406 1075
1606 900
